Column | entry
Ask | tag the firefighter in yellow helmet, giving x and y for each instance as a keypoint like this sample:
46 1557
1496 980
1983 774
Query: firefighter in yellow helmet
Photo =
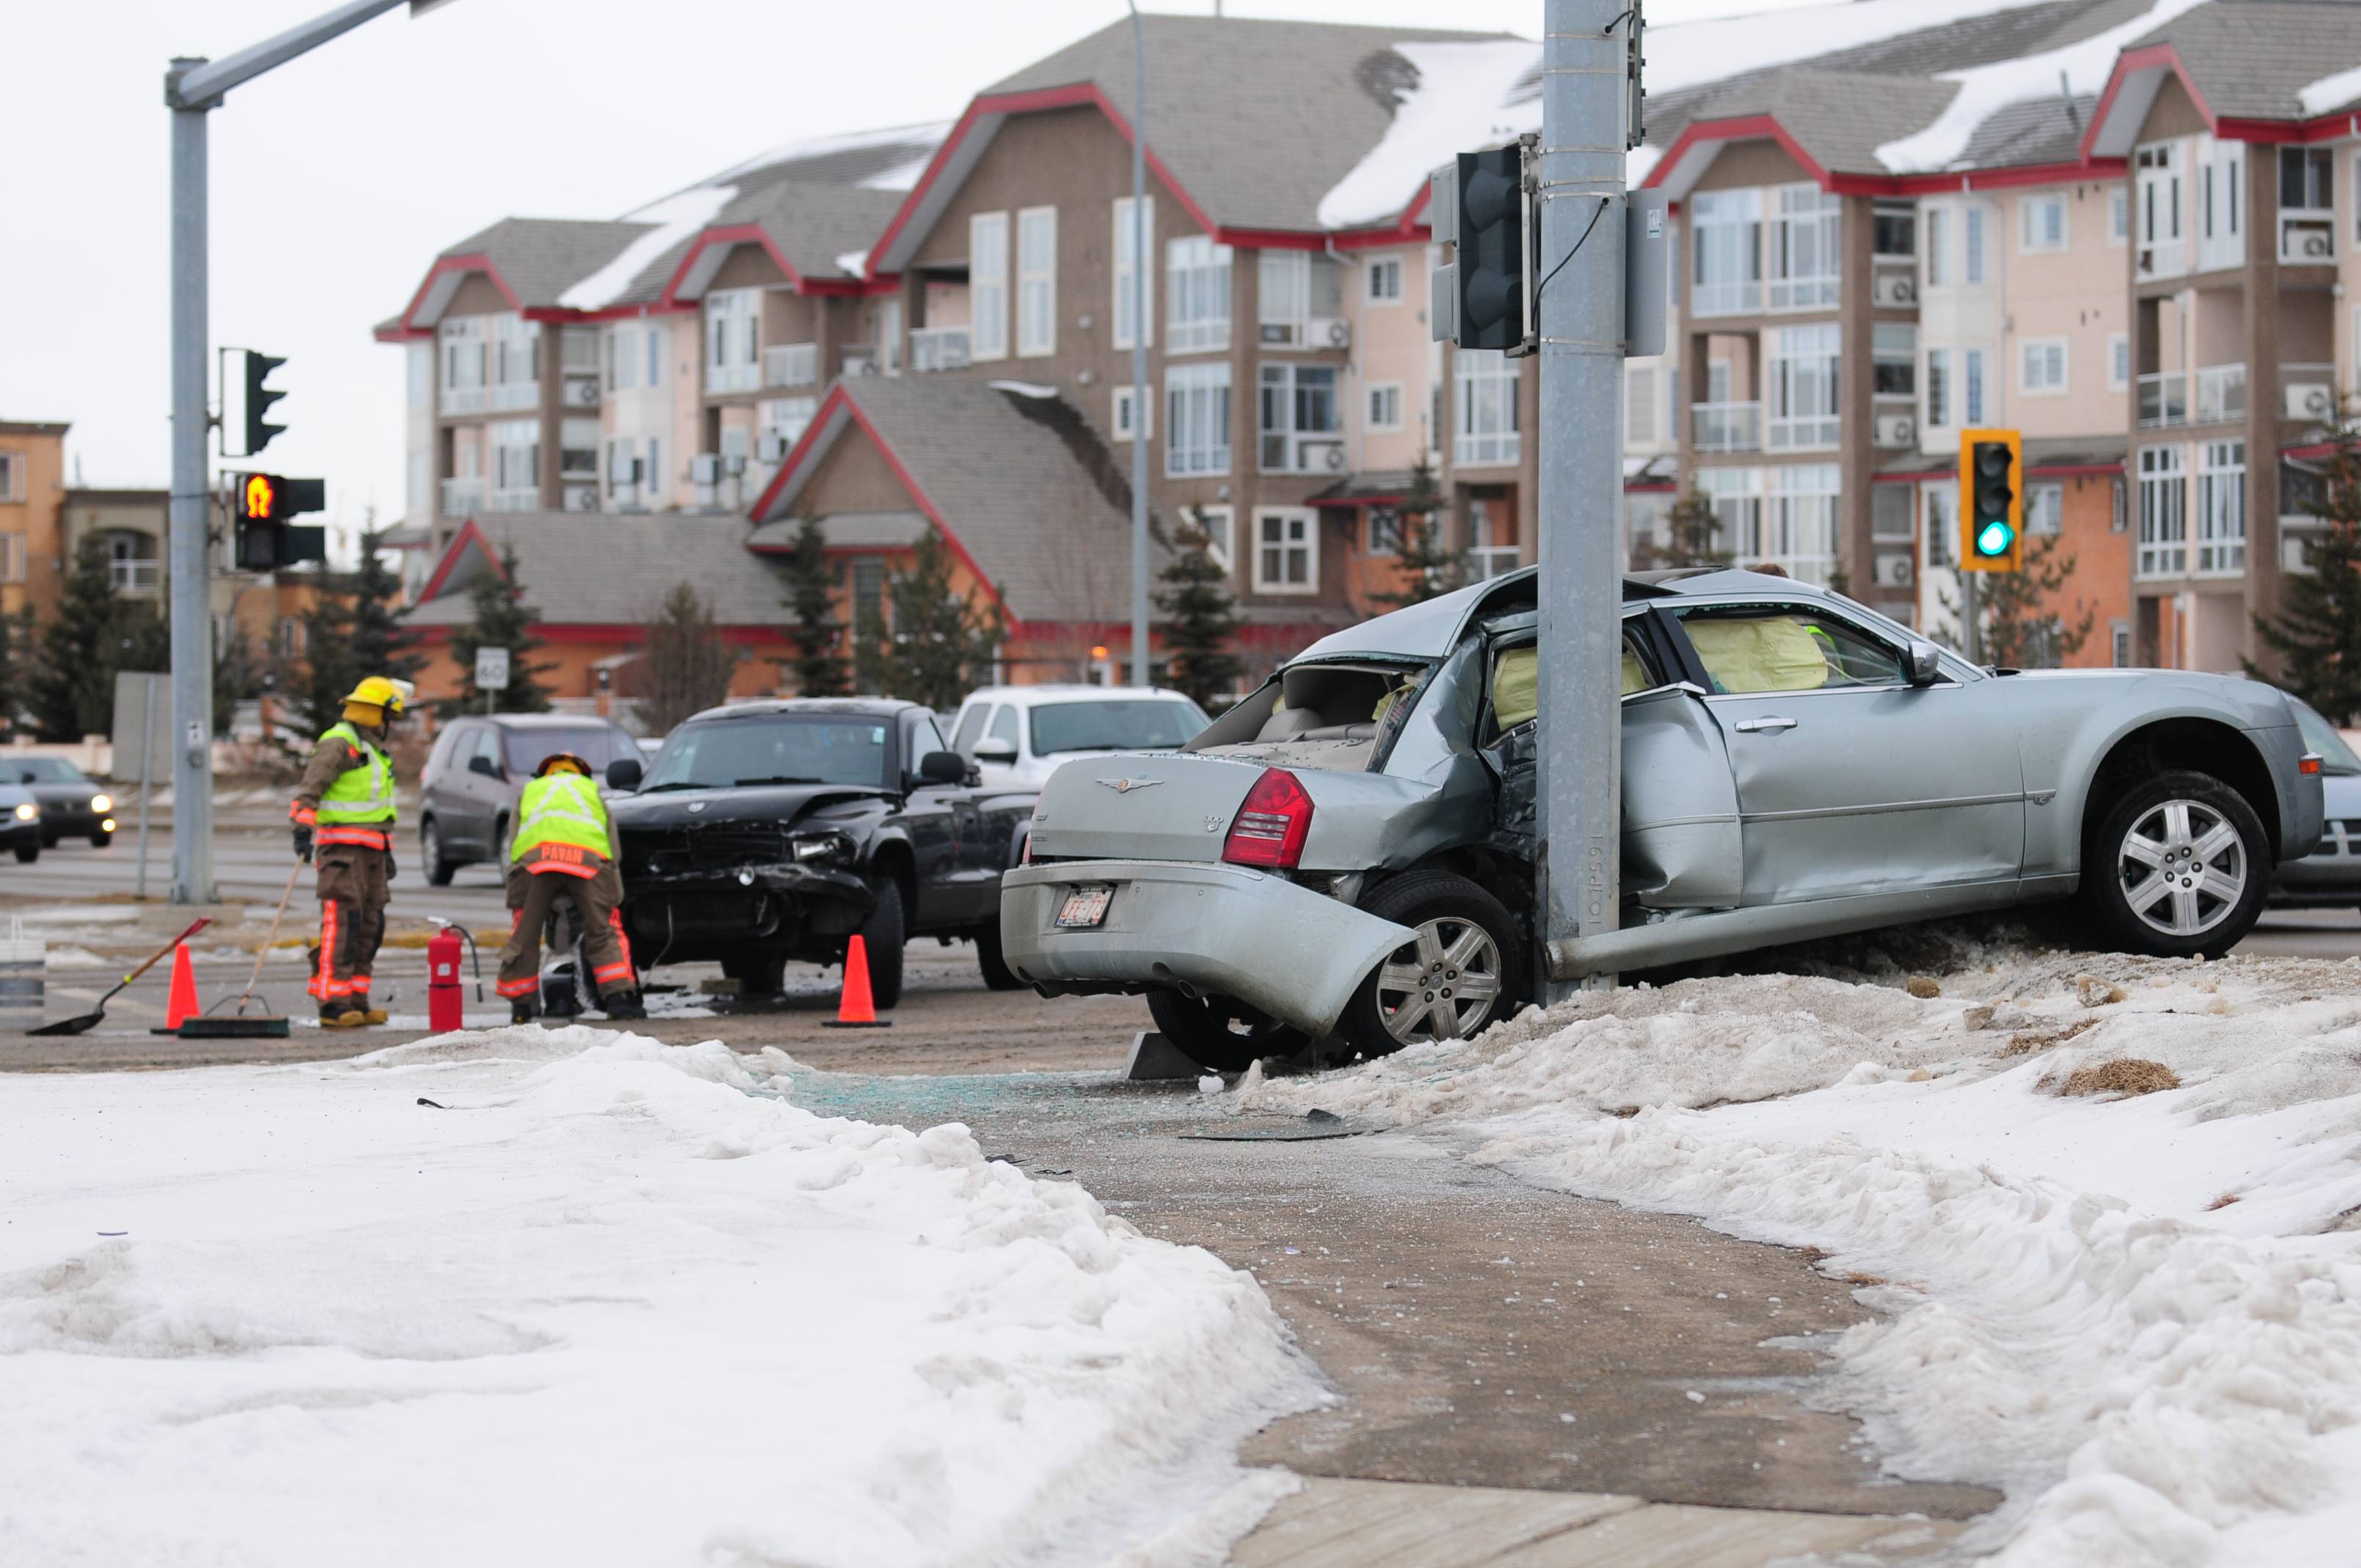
565 847
344 816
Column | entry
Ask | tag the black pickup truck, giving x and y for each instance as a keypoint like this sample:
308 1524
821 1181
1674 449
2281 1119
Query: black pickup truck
767 831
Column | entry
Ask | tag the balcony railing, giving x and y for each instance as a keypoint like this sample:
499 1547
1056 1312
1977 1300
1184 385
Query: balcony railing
938 348
1726 427
2220 394
517 395
524 499
2164 397
740 378
791 365
135 576
1805 433
466 400
462 497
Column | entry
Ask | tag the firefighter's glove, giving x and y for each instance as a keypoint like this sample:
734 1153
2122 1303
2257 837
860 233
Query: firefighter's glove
302 843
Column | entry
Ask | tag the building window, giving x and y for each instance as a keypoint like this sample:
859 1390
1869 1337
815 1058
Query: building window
579 347
1805 248
1894 229
577 448
1384 531
1036 281
1737 498
1942 523
1287 550
885 334
655 358
2045 507
1198 279
1971 379
2163 546
1725 252
464 366
1938 389
1385 407
2041 366
290 636
1384 274
1799 532
622 358
2156 170
1971 245
1800 385
2119 215
2221 509
516 465
1485 394
1890 518
2119 361
422 376
2041 224
987 285
788 418
1893 350
1640 406
1299 420
1296 287
1219 524
1197 419
733 351
2119 643
12 475
1491 539
1938 247
2307 180
868 596
1126 268
1120 411
12 557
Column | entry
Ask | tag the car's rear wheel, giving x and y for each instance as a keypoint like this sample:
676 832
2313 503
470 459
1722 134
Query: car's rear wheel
1462 972
883 935
2177 866
990 962
439 866
1221 1033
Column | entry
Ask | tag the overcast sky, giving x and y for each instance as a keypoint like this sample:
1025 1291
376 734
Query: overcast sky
337 178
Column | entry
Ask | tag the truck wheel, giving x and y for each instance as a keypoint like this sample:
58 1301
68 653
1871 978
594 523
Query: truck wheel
759 978
1221 1033
883 934
2177 866
997 975
439 866
1463 972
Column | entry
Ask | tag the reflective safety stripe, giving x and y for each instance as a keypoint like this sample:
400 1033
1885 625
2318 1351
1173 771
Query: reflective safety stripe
303 815
606 973
367 837
560 810
622 937
513 988
323 985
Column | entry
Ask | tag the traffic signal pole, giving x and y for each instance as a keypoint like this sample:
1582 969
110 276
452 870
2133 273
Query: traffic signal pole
1585 105
193 89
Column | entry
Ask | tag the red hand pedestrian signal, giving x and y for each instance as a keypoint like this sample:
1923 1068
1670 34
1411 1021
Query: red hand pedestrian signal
261 497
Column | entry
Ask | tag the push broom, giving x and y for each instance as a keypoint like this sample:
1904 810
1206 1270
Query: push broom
237 1024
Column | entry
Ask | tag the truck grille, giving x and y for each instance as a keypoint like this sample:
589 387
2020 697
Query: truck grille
683 852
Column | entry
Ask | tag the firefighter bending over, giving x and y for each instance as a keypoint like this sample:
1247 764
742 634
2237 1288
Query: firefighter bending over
564 846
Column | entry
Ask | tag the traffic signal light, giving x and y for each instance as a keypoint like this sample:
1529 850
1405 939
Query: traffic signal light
259 399
1991 502
1494 250
260 505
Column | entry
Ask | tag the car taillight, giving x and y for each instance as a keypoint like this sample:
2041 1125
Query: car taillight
1272 824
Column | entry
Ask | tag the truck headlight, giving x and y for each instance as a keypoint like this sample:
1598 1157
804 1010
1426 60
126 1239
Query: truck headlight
820 849
28 811
102 804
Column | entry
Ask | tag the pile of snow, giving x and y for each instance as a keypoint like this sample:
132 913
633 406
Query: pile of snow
2331 92
2140 1316
601 1301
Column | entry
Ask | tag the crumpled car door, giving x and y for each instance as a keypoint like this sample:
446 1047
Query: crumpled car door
1680 840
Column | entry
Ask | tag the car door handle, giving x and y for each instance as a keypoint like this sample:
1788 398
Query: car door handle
1762 726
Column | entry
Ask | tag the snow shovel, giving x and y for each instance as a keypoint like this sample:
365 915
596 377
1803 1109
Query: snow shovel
77 1025
237 1025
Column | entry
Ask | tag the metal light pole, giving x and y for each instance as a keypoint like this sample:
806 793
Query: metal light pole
1140 405
193 89
1585 103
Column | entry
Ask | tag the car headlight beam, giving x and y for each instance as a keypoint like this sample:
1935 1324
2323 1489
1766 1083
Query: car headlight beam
28 811
102 804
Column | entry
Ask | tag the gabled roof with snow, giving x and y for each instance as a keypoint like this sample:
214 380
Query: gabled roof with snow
2267 62
532 261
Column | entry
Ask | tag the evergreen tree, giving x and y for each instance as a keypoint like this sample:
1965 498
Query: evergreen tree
812 594
1200 618
687 667
2021 633
2316 632
70 688
316 688
1430 567
502 620
378 643
940 643
237 675
1690 529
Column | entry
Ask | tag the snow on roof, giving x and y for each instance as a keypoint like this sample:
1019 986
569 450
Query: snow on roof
675 218
904 176
931 134
2078 69
853 263
1481 93
2331 92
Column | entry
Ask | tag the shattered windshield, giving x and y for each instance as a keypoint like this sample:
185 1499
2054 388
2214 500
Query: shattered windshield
780 749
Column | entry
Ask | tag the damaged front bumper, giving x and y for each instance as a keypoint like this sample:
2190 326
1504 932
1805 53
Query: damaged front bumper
1209 929
695 915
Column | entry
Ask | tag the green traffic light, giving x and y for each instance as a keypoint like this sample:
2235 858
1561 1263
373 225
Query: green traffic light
1993 539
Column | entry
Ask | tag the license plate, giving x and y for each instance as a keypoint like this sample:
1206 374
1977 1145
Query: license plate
1084 907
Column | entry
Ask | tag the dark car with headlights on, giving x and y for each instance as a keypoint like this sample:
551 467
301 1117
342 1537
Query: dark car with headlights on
770 832
72 804
21 822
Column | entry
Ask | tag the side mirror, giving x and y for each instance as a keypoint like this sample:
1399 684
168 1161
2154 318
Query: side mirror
479 763
624 773
996 752
1926 663
942 768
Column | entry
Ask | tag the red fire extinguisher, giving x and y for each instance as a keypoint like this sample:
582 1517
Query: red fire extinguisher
446 1006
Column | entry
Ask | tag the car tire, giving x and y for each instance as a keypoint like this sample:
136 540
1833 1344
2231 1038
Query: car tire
997 975
2177 817
759 978
48 841
1221 1034
439 866
883 935
101 840
27 853
1464 972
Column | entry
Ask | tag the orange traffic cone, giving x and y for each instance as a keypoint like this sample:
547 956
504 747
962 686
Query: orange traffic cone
853 1009
182 1003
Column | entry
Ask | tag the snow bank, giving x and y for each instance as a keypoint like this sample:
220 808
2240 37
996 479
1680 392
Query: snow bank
675 219
1985 89
602 1301
2142 1317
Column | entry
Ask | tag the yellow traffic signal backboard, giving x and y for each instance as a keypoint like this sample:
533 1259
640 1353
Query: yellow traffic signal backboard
1991 501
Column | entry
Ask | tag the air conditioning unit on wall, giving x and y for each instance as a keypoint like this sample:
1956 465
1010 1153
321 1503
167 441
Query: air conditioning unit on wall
1892 570
581 498
2308 400
2302 240
1896 289
1320 456
1897 430
582 392
1327 331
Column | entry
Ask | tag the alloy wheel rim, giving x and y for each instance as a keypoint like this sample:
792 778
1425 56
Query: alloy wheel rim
1442 984
2182 867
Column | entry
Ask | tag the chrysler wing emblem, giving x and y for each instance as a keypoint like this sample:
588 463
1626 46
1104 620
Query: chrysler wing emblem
696 805
1125 786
